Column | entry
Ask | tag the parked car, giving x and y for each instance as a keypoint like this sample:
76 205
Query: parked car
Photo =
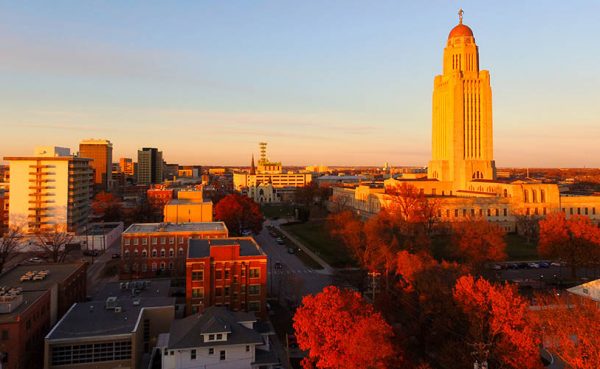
496 267
247 232
280 241
116 256
278 265
522 265
90 252
35 260
544 265
555 264
533 265
512 266
291 250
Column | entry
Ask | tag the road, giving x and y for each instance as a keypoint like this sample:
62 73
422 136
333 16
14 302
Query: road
95 277
294 279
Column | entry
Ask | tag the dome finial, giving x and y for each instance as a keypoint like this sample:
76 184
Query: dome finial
460 15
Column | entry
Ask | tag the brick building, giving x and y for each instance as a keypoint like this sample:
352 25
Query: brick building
230 272
32 299
154 249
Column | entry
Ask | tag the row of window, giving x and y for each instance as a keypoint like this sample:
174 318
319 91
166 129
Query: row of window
471 212
154 254
534 196
91 353
154 240
579 211
198 275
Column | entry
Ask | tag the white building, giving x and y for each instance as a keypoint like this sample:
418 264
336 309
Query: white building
218 338
50 189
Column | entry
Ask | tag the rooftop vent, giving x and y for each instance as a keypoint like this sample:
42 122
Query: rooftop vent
111 303
35 275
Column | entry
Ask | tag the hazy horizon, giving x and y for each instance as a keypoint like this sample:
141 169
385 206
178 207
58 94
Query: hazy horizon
337 82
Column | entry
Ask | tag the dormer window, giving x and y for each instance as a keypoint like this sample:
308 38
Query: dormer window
211 337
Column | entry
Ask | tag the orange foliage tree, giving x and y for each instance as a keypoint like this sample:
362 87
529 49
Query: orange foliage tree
339 329
239 213
477 241
570 329
501 330
575 240
107 206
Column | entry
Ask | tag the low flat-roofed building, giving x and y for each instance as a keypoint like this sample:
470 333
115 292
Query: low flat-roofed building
159 249
217 338
230 272
32 298
189 206
110 333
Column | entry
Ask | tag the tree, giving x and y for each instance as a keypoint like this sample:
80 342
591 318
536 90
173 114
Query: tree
527 225
53 243
239 213
339 329
570 329
477 241
575 240
107 207
9 245
500 329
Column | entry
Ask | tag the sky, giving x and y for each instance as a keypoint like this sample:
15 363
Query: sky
335 82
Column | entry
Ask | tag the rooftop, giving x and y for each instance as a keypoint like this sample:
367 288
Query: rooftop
29 298
92 319
188 332
143 289
56 273
187 202
200 248
176 227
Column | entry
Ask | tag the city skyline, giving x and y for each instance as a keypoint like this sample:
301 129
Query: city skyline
212 81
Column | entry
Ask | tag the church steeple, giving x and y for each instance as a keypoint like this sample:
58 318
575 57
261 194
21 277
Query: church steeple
252 167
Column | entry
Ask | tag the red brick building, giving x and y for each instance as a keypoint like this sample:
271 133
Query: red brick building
34 299
157 198
158 249
230 272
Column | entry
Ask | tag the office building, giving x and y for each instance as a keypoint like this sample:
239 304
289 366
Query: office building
149 166
155 249
126 166
100 151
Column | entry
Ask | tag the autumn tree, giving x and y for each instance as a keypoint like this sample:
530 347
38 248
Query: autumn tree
10 243
570 329
53 243
528 225
239 213
339 329
107 207
477 241
575 240
499 328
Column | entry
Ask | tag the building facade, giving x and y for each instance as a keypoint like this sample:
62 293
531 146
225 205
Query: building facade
52 189
149 166
230 272
100 151
189 207
154 249
126 166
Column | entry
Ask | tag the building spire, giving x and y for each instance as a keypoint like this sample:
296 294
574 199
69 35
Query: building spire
460 15
252 168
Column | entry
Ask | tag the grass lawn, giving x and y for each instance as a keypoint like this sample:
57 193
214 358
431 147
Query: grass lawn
518 249
314 235
277 210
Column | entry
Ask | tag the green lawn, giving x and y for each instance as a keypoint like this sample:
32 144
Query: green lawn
315 236
518 249
277 210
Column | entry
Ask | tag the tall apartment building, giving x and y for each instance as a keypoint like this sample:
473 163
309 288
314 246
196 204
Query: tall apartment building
150 166
50 189
155 249
126 166
230 272
100 151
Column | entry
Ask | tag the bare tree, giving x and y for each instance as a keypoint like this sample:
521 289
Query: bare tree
9 245
53 243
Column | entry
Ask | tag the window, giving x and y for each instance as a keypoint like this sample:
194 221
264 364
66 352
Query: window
254 273
218 274
180 252
254 289
211 351
542 196
197 292
127 241
193 355
163 240
218 291
489 212
171 253
571 211
171 240
136 241
219 336
505 212
226 273
211 337
162 253
586 211
153 253
533 196
144 241
464 212
526 195
154 240
226 291
180 240
247 348
222 355
162 265
126 254
144 253
497 212
456 213
197 275
171 265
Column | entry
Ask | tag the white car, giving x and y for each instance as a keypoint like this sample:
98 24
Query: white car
534 265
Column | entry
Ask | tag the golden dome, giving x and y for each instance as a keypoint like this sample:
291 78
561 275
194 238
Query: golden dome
460 31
